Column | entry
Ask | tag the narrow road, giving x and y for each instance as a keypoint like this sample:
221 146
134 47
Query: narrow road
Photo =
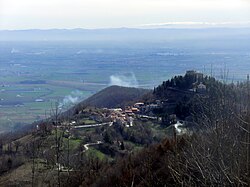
86 146
63 168
93 125
148 117
179 128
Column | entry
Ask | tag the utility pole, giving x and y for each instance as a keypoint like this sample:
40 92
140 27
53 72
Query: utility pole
55 112
248 128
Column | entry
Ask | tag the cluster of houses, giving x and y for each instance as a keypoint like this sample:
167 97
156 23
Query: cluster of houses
198 85
124 116
127 115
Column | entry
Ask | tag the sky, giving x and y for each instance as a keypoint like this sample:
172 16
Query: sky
68 14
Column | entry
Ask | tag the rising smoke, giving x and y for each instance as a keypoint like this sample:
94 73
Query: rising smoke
73 98
126 80
14 51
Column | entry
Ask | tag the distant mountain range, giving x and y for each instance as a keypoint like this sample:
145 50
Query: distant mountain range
124 34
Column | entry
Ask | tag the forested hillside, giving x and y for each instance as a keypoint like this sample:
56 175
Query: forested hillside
114 96
207 143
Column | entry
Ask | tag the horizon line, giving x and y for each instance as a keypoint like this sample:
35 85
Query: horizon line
129 28
162 25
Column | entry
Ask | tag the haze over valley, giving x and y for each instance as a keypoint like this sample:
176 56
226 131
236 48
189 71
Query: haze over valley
41 67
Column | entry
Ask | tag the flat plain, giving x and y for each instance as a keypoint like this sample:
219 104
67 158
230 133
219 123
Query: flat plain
36 75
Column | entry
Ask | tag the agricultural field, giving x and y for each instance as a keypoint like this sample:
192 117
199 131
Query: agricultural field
22 104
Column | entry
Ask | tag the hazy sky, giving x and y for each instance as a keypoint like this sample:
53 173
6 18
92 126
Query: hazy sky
44 14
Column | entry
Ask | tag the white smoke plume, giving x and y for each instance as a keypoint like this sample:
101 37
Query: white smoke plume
14 51
73 98
126 80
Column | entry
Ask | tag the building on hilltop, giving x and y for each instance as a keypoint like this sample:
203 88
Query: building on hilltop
197 76
201 88
190 72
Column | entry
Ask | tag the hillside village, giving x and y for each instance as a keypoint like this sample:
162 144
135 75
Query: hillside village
144 111
125 116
